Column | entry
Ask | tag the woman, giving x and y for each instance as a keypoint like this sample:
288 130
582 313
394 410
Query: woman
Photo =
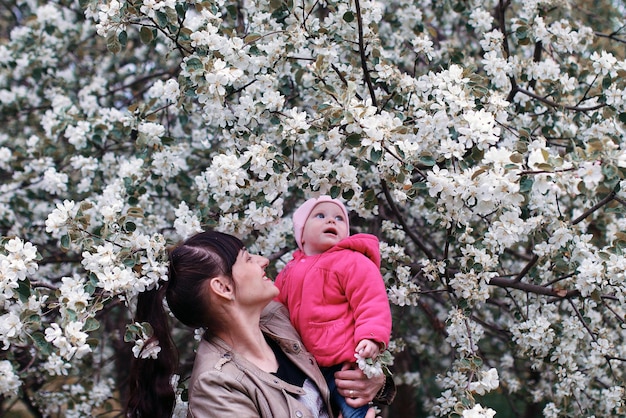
250 362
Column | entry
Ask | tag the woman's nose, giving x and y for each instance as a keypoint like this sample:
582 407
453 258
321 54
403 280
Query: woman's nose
263 262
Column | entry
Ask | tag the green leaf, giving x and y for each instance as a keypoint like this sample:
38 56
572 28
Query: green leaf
136 212
275 4
113 43
524 133
610 171
348 194
375 155
90 288
123 38
477 362
459 6
23 290
65 242
253 37
181 10
526 184
194 64
146 35
92 342
354 140
232 11
71 315
161 19
91 324
281 14
521 32
132 330
42 345
427 160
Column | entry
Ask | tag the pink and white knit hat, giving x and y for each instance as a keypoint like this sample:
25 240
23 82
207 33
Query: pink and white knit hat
302 214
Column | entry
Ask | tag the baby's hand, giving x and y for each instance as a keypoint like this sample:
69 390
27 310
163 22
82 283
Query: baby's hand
368 349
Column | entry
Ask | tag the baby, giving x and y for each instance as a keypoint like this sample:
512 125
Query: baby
334 292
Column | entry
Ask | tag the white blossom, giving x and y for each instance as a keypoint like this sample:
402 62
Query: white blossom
488 381
186 223
10 328
479 412
149 350
9 380
604 63
56 366
151 132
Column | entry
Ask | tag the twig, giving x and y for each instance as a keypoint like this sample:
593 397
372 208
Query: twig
595 207
343 80
582 321
611 37
526 268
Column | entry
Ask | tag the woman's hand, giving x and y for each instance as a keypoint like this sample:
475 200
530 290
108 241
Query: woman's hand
353 385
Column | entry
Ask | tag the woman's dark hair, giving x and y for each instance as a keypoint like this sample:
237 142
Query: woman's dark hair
200 257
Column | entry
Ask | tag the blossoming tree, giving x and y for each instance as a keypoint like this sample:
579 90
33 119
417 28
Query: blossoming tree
482 141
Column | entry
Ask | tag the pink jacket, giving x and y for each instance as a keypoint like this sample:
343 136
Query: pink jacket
337 298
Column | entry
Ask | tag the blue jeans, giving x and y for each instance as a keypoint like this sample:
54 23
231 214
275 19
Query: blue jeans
339 401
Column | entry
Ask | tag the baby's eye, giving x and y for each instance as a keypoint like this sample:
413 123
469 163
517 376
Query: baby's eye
339 218
320 215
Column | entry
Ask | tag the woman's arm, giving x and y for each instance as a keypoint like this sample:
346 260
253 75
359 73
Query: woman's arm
358 390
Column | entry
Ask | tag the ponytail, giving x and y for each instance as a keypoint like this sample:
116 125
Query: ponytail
151 391
191 263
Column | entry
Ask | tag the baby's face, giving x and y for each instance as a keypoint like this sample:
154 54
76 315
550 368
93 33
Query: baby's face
324 228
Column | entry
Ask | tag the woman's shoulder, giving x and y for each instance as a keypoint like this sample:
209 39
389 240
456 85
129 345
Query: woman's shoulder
217 384
213 361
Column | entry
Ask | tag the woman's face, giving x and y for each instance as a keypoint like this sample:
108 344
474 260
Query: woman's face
252 286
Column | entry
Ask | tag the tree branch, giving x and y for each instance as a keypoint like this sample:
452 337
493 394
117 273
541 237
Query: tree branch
533 288
595 207
366 73
611 37
405 227
558 105
536 58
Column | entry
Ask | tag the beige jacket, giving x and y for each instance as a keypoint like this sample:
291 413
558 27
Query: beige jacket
223 384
